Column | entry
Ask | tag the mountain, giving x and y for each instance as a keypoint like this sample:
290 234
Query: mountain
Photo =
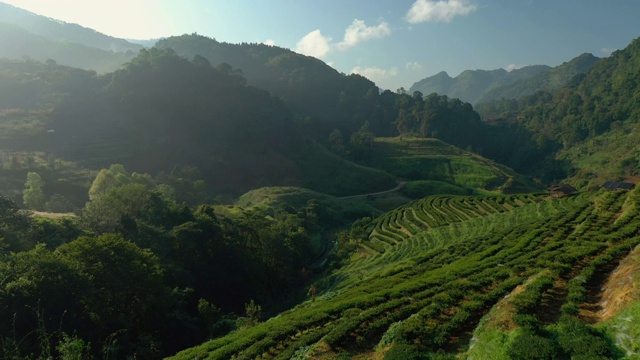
62 32
162 111
307 85
471 85
26 35
18 43
547 80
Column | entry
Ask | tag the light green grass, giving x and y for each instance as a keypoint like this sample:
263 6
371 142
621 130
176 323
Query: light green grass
418 159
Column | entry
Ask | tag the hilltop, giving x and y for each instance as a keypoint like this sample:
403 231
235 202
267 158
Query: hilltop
479 86
550 79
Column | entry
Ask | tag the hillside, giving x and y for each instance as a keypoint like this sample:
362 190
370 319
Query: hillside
433 167
471 85
550 79
307 85
592 120
162 111
18 43
61 32
434 268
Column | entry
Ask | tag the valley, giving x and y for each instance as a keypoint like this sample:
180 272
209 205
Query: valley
200 199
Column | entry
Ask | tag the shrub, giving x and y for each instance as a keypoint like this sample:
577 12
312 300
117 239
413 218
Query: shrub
529 346
403 352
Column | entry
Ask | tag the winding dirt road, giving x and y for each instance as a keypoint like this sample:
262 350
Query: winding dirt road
398 187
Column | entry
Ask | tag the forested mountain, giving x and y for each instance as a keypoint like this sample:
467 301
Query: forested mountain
260 203
307 85
593 118
18 43
27 35
471 85
61 32
162 111
550 79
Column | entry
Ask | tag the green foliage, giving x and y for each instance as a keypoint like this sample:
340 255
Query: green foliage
530 346
423 188
73 348
403 351
33 196
361 142
108 179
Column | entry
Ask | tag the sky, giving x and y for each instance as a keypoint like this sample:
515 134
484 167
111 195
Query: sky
392 42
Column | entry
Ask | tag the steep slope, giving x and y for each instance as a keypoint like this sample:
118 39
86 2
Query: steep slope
547 80
18 43
426 163
471 85
62 32
308 86
434 267
162 111
592 120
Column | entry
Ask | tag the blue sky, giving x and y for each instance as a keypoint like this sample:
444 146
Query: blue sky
393 42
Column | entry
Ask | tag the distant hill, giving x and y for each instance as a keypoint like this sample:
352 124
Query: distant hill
307 85
429 164
547 80
592 120
60 31
26 35
18 43
471 85
162 111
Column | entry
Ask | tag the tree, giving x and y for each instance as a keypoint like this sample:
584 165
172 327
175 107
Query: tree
33 196
362 142
106 180
402 123
127 289
336 140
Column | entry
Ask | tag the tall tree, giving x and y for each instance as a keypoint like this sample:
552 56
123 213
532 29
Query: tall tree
33 196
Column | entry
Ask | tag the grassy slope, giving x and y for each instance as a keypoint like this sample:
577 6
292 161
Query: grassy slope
436 162
612 156
325 172
343 211
433 267
620 313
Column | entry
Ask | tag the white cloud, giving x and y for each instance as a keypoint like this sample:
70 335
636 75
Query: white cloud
440 10
314 44
413 66
358 32
269 42
607 51
512 67
375 74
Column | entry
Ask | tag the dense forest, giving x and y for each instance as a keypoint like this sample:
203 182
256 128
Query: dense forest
212 200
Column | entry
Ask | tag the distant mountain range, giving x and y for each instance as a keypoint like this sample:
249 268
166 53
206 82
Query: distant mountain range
60 31
470 85
24 34
475 86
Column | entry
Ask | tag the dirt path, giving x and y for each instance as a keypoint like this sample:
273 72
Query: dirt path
398 187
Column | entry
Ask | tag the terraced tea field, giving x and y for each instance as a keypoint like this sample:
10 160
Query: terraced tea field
438 265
